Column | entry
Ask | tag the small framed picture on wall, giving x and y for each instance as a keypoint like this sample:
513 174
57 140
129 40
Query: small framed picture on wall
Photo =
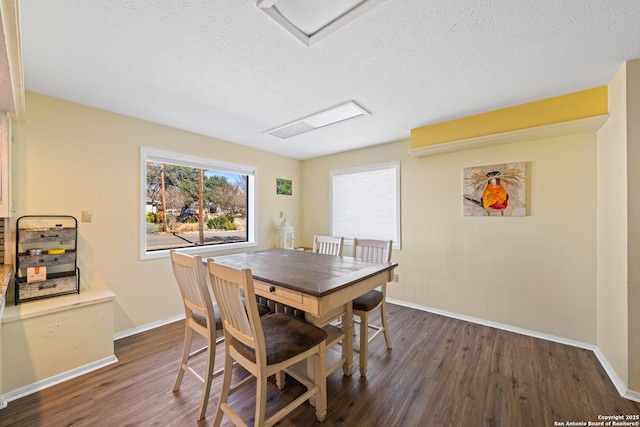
284 186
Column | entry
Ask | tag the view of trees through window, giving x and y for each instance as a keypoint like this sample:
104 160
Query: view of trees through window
188 206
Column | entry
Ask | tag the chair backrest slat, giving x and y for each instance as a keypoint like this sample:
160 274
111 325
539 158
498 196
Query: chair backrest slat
328 245
191 277
372 250
240 315
231 303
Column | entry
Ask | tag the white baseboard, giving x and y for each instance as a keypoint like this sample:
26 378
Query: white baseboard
497 325
613 376
148 327
632 395
56 379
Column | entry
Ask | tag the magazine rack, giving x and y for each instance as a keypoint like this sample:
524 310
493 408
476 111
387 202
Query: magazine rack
46 261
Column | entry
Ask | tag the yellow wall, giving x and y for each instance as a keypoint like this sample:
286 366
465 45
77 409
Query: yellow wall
536 272
68 158
573 106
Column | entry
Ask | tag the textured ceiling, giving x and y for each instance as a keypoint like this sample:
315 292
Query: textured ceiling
225 69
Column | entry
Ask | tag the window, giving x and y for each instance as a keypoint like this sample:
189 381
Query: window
365 202
198 204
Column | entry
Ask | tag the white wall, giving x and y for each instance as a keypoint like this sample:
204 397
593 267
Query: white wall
536 272
68 158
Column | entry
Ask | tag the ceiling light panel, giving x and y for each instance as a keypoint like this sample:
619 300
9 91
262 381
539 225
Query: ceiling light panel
311 16
312 20
340 113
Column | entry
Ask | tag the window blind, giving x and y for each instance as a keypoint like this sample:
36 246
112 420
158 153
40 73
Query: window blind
365 202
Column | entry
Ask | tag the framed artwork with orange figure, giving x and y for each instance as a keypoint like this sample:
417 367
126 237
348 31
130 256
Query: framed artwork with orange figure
495 190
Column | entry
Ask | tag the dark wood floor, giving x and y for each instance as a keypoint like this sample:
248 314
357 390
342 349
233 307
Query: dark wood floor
441 372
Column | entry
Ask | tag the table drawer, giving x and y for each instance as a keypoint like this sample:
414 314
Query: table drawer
285 296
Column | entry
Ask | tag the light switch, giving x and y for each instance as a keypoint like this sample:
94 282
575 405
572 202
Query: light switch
86 216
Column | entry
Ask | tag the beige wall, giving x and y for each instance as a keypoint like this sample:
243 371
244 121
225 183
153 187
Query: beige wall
68 158
41 340
536 272
618 282
612 231
633 244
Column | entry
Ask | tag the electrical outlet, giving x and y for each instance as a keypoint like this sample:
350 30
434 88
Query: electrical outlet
86 216
396 278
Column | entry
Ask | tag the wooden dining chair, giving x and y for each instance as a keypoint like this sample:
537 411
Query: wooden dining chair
202 317
327 245
373 251
264 346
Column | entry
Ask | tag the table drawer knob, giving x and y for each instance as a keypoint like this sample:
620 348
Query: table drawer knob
272 289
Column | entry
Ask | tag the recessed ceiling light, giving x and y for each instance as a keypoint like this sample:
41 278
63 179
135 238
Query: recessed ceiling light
349 110
312 20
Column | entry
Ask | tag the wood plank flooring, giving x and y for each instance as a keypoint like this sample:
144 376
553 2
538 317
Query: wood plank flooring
441 372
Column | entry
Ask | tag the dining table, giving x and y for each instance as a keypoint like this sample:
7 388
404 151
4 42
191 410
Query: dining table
322 286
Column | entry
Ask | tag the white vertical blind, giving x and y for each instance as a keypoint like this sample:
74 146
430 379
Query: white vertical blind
365 202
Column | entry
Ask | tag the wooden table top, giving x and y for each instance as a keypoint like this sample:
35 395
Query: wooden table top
313 274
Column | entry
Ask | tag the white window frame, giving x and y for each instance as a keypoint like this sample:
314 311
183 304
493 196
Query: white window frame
397 239
154 155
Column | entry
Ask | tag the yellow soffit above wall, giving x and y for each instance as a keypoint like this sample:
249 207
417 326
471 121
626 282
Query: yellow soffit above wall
576 112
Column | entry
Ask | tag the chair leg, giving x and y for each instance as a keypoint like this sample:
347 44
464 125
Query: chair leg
347 342
261 400
281 378
320 370
186 349
211 358
226 387
383 314
364 342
